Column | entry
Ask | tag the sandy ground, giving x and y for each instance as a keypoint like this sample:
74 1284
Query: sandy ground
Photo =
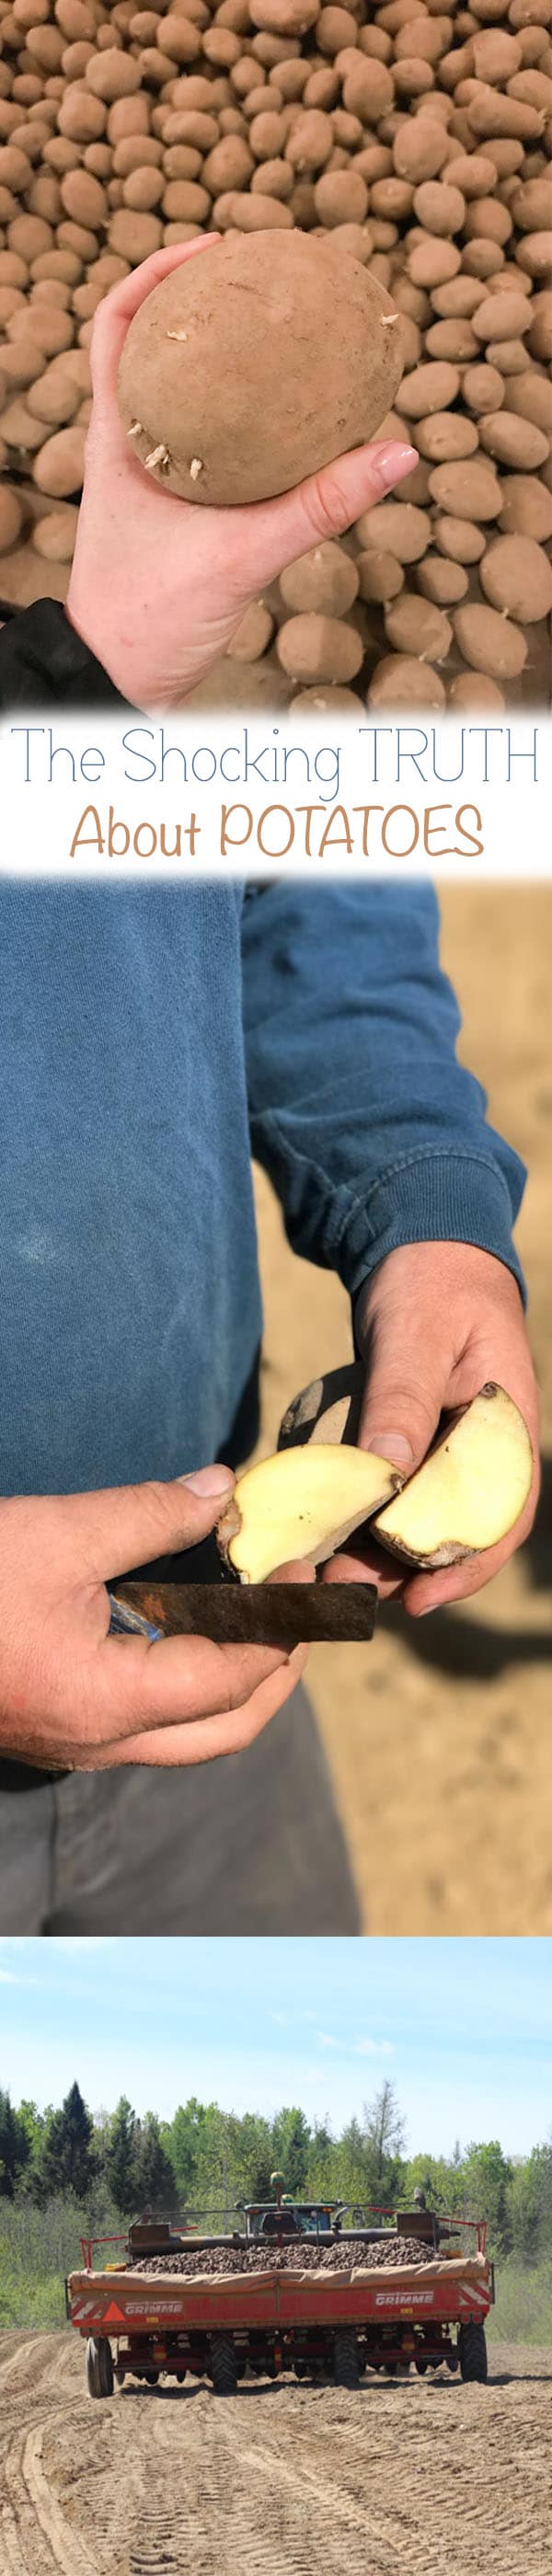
438 1734
406 2475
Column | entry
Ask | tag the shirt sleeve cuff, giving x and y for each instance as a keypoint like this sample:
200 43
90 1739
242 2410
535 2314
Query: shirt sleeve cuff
430 1198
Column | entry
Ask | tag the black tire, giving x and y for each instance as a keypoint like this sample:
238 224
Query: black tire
99 2367
346 2370
472 2350
224 2372
151 2378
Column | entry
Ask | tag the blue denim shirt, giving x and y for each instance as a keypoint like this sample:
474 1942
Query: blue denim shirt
151 1036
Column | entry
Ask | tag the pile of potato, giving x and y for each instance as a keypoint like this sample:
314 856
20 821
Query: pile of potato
418 138
300 2254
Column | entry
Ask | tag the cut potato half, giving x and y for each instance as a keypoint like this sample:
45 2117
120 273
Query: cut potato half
304 1502
469 1492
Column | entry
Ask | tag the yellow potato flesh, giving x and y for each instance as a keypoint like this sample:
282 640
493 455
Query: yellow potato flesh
469 1492
302 1503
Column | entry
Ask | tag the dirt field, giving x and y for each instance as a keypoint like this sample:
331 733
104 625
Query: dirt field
405 2475
438 1733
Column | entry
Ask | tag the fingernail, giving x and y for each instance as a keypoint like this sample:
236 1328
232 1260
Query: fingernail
208 1480
392 1445
392 463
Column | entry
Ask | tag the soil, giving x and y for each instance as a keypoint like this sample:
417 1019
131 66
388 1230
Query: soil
404 2474
438 1733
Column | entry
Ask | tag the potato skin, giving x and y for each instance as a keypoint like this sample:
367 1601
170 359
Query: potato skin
289 360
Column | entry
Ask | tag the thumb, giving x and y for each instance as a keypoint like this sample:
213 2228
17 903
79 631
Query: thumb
406 1388
326 504
128 1525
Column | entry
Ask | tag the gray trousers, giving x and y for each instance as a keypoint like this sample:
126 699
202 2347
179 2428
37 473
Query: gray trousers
248 1844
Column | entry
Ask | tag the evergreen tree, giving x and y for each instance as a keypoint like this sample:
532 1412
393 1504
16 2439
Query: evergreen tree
291 2141
66 2159
120 2158
14 2147
153 2175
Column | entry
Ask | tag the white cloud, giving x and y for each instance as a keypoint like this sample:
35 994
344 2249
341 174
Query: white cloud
9 1978
373 2048
326 2040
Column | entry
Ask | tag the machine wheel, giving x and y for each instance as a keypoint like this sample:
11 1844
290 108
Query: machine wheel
99 2367
151 2378
346 2370
473 2352
224 2372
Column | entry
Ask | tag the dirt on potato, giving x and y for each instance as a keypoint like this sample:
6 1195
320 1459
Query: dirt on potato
438 1733
406 2474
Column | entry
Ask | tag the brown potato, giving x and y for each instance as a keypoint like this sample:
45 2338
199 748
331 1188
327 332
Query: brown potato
11 518
446 436
439 208
341 197
324 701
530 398
314 648
483 388
53 537
469 490
84 199
476 696
325 580
112 75
454 340
419 148
55 398
414 625
489 642
59 466
310 143
401 681
381 576
398 526
253 635
243 214
527 508
135 236
428 388
274 317
459 539
517 578
512 441
501 317
442 580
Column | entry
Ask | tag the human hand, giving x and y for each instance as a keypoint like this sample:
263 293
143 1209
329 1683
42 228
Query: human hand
434 1323
74 1698
158 585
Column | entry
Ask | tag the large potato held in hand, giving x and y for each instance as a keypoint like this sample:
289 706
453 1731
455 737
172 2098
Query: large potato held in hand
257 364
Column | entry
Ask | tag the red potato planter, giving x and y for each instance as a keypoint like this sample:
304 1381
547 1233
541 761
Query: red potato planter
359 2303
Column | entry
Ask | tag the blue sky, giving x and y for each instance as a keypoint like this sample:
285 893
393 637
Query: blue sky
462 2028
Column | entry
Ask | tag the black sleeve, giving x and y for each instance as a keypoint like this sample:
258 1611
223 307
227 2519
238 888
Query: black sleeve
43 663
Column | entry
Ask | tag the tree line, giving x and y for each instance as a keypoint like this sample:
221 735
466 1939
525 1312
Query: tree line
208 2159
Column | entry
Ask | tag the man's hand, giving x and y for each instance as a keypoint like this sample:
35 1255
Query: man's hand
74 1698
435 1322
158 585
